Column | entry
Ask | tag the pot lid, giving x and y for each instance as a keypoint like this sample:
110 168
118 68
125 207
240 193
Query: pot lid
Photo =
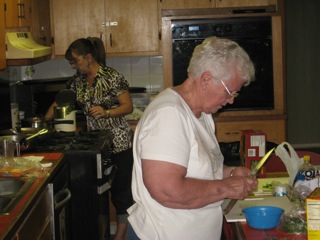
65 98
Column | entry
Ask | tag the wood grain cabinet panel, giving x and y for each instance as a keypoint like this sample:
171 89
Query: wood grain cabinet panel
244 3
191 4
126 27
75 19
39 223
187 4
231 131
18 13
2 38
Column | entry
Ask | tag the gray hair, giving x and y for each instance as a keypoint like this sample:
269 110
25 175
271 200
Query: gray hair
219 56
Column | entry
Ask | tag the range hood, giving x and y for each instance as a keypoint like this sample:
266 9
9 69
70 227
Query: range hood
20 45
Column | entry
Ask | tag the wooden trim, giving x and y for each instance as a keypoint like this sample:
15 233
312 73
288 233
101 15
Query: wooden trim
195 13
26 62
250 118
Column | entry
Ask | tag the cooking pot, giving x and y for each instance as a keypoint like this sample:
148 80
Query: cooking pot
40 123
25 140
62 112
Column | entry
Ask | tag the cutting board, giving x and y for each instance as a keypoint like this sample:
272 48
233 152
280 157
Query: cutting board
236 215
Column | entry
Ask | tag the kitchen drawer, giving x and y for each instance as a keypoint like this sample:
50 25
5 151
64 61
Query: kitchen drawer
231 131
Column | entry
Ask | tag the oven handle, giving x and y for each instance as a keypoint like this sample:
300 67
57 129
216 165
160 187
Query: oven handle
64 201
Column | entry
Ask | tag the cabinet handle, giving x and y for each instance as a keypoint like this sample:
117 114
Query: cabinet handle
64 192
22 12
110 38
232 133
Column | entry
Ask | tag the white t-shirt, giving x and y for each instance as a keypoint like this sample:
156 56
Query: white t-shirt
169 131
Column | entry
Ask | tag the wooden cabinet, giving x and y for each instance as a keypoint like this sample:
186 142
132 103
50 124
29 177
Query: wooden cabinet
132 27
126 27
75 19
2 38
40 25
231 131
187 4
17 13
39 223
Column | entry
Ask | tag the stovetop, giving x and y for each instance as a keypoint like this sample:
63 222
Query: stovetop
74 141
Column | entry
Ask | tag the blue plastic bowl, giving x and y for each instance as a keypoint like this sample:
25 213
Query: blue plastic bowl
263 217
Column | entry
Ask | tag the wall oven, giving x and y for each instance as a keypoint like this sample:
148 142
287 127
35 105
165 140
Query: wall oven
254 34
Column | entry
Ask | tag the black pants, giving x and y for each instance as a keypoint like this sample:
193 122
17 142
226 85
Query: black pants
121 195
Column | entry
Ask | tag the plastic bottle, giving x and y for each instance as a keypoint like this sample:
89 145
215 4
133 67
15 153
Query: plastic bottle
306 174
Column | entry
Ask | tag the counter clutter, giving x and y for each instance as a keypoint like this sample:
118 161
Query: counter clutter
297 222
12 223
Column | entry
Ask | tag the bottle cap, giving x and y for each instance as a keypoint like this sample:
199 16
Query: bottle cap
306 157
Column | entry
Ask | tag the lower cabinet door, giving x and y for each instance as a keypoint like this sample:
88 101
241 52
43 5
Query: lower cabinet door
39 223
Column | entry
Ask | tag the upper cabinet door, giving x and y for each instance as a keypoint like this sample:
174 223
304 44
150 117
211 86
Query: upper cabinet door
186 4
243 3
2 38
18 13
40 27
73 19
132 27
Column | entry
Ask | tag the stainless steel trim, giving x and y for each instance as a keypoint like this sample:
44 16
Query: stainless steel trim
99 166
103 188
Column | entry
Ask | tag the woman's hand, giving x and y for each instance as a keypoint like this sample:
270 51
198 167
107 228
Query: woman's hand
97 112
239 182
240 187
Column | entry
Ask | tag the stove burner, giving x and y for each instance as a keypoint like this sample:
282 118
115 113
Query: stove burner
66 141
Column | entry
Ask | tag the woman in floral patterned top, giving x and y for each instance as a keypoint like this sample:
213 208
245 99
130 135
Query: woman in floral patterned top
102 93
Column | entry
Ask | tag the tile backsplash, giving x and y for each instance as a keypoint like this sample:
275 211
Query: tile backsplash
139 71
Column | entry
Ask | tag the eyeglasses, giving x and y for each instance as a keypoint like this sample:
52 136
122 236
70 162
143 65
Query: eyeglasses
231 95
75 60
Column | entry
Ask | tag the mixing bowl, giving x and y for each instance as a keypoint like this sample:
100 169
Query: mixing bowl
263 217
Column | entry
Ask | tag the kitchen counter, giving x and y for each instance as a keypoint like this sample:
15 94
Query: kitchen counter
10 223
244 232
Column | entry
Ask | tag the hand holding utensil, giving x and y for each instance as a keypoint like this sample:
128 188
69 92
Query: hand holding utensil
252 174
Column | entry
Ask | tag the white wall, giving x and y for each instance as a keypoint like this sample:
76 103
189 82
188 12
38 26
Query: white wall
139 71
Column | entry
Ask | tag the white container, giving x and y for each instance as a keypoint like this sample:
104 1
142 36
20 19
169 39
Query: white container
66 127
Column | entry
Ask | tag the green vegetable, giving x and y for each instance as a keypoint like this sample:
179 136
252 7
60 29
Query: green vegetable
267 186
294 225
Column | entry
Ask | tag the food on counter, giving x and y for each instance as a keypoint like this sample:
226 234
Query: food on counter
135 115
22 166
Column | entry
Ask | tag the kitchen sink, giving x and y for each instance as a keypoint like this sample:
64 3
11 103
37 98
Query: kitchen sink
11 192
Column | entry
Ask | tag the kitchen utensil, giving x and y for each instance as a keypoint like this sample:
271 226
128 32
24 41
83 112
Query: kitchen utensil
42 131
252 174
263 217
24 138
65 98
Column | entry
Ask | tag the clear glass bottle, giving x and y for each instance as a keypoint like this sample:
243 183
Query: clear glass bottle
306 174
